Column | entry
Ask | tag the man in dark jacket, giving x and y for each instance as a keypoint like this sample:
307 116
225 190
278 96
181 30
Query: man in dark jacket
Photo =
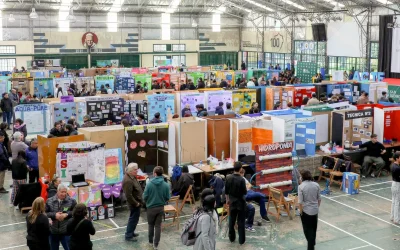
87 123
6 106
184 182
156 119
57 130
219 110
4 163
200 110
59 210
133 192
32 161
235 190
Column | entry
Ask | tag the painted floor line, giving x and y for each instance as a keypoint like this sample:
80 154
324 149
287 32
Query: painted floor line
379 189
358 247
350 234
113 222
373 216
386 211
13 247
12 224
376 184
342 195
376 195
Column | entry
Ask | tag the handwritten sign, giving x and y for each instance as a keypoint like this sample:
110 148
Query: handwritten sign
67 98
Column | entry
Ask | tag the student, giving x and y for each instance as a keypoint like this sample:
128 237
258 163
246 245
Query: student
206 226
201 84
53 185
200 110
384 97
6 142
313 100
38 226
73 122
6 106
103 90
69 130
19 171
125 117
156 194
32 161
373 154
219 110
395 213
243 65
305 101
18 144
309 202
277 106
57 130
229 110
109 90
254 108
186 110
185 180
80 228
59 92
20 126
87 123
363 99
156 119
139 120
235 191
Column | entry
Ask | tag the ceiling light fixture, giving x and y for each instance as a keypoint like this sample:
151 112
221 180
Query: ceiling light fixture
294 4
194 24
334 3
259 5
33 14
385 2
71 16
11 18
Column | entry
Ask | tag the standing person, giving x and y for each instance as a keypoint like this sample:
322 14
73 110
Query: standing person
139 120
32 161
109 90
395 213
156 194
374 153
6 106
201 111
184 182
313 100
206 225
103 90
134 193
254 108
229 110
57 130
219 110
186 110
6 143
80 228
19 170
59 209
53 185
4 163
18 144
59 92
20 126
384 98
156 119
235 192
38 226
309 202
243 66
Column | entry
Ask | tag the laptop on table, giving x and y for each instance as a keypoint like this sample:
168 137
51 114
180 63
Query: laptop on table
78 180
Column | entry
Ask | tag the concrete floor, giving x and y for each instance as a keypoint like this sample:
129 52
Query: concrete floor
345 222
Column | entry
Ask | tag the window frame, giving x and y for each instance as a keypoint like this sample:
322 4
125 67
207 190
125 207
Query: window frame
9 46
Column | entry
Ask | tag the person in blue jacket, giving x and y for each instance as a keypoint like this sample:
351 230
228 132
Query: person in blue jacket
32 161
219 110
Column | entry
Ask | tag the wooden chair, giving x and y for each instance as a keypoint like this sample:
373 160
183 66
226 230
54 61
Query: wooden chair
189 197
323 171
224 214
276 196
336 173
172 211
25 209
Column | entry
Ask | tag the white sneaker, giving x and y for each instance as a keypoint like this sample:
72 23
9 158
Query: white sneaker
250 229
16 208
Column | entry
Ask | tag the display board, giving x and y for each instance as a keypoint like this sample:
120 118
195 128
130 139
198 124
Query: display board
273 156
103 80
273 96
160 103
242 100
143 78
63 111
114 171
35 116
5 84
300 92
195 76
101 109
124 85
191 98
43 86
394 92
306 134
287 96
63 83
87 81
305 71
135 107
214 97
228 76
387 123
337 89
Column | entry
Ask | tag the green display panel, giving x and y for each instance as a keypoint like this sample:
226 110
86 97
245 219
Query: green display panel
394 92
305 71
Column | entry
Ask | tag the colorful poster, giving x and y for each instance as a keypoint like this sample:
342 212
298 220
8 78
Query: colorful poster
64 111
214 97
114 167
103 80
101 109
192 99
394 92
124 85
144 79
35 116
160 103
63 83
228 76
135 107
242 100
195 76
88 82
43 86
305 71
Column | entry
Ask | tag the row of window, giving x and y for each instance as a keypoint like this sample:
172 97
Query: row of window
169 47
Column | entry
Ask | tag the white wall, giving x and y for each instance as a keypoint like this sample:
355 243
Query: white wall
22 48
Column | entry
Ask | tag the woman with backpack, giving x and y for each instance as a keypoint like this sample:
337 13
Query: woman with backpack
80 228
206 225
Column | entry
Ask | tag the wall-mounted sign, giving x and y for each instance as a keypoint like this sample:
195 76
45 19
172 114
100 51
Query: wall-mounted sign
89 40
358 114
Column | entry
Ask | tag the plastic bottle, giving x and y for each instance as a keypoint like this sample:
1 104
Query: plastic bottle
334 147
223 155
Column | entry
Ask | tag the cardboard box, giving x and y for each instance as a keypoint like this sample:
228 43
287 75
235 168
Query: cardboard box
112 136
90 195
351 183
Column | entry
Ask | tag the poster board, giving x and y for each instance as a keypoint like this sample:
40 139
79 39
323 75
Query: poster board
287 96
273 96
88 82
5 84
161 103
218 135
195 76
35 116
103 80
387 123
144 79
305 71
261 96
226 75
242 100
301 92
305 134
101 109
191 98
63 111
21 84
124 85
43 86
63 83
114 170
135 107
214 97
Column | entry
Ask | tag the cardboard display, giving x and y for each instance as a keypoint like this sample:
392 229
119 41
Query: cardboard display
300 92
47 152
101 109
161 103
103 80
112 136
43 86
387 123
191 139
36 117
218 135
242 100
273 96
124 85
287 96
214 97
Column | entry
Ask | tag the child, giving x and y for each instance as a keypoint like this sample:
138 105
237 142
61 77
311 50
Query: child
20 126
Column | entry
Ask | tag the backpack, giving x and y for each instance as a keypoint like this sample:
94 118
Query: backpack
189 234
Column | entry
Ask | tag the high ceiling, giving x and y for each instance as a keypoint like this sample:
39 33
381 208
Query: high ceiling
233 7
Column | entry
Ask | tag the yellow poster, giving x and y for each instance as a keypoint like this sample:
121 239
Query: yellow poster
242 100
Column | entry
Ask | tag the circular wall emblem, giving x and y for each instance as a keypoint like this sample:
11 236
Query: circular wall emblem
89 40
